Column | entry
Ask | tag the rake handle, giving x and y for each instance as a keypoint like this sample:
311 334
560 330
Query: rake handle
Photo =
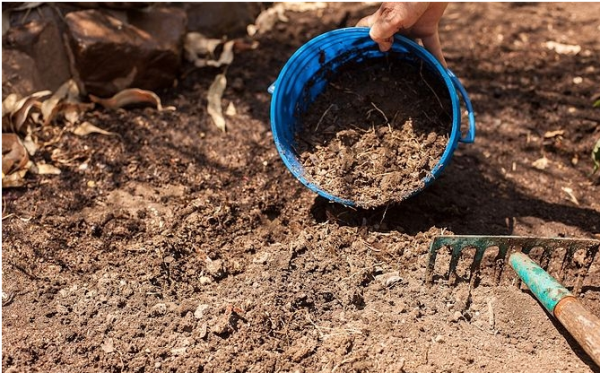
579 322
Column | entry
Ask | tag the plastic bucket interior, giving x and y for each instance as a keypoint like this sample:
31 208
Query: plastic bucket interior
303 78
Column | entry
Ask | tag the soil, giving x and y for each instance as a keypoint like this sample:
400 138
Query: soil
175 247
377 131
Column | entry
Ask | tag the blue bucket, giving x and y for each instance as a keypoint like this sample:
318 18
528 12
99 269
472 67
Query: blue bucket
302 79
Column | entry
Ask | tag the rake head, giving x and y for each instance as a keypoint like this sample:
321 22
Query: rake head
568 258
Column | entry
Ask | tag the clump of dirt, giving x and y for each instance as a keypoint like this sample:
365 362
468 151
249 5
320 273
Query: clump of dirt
377 131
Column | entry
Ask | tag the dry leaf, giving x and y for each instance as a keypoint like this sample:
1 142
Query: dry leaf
14 180
21 109
5 21
196 44
572 197
46 169
551 134
86 128
269 17
561 48
14 154
131 96
226 57
9 104
541 163
30 145
215 93
231 111
68 91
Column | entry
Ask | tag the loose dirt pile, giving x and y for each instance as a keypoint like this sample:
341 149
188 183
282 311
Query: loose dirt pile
377 131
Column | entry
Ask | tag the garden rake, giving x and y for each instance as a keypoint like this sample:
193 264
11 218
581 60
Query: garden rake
566 256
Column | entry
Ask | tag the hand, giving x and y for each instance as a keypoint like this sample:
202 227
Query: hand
414 20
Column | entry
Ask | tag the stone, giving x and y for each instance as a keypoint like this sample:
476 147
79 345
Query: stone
216 268
111 55
19 74
199 312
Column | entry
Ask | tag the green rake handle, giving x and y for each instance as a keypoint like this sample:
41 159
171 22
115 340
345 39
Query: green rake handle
581 324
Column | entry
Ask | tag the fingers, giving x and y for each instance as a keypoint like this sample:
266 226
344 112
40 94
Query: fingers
364 22
432 44
391 18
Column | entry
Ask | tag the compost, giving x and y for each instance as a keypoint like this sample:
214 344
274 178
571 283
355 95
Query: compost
377 131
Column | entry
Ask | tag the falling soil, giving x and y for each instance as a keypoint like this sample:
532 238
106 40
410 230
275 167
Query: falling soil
377 131
175 247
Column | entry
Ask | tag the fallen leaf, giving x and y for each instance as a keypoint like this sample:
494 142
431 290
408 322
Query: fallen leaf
68 91
14 180
596 156
14 154
226 57
561 48
541 163
21 109
30 145
569 192
46 169
5 21
215 94
269 17
231 111
196 44
87 128
9 104
131 96
551 134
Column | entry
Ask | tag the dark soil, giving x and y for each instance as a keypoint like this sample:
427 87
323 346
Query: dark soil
175 247
377 131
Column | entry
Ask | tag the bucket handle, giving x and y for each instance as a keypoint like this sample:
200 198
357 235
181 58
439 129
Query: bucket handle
463 92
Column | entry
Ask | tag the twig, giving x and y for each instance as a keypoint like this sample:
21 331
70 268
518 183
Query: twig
382 113
315 325
384 212
323 117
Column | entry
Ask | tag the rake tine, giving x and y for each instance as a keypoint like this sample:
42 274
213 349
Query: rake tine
590 253
570 250
453 264
500 261
476 267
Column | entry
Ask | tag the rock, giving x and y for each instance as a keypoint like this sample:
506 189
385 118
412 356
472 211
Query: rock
111 55
215 20
108 346
216 268
389 279
199 312
19 74
456 316
42 40
158 309
205 280
167 26
179 351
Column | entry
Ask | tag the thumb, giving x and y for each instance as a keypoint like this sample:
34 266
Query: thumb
382 32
